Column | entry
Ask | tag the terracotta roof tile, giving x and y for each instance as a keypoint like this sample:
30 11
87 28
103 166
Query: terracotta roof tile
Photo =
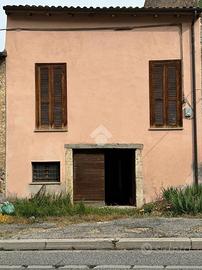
112 8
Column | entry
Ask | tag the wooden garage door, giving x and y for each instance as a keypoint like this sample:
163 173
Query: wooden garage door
89 175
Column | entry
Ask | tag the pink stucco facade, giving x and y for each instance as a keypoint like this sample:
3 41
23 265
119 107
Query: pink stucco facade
108 85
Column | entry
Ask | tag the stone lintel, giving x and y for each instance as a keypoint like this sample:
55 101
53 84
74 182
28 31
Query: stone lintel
104 146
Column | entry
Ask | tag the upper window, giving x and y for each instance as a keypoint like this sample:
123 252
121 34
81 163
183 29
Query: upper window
51 96
165 93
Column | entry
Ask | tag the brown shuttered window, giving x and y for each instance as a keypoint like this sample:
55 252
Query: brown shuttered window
165 93
51 96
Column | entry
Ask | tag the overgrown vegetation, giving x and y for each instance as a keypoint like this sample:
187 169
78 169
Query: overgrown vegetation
174 202
186 200
177 201
59 205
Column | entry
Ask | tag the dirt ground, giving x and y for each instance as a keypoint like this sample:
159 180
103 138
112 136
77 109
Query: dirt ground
130 227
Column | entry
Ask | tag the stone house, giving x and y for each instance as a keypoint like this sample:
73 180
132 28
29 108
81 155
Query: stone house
102 103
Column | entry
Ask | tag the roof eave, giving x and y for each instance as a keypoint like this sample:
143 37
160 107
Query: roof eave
118 10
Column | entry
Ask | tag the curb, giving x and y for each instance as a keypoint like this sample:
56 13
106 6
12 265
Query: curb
144 244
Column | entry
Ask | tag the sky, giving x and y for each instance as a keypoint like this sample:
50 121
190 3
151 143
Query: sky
94 3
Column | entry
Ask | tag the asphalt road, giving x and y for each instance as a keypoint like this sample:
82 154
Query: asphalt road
100 260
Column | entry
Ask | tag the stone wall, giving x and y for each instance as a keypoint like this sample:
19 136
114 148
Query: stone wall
200 164
2 125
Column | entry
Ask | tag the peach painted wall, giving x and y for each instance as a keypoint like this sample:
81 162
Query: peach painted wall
107 84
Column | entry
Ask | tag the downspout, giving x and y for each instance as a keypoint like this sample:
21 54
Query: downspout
195 139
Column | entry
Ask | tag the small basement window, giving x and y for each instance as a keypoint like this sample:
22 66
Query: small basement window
45 171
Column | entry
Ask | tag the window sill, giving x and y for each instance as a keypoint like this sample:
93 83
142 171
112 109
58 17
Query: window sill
45 183
165 129
51 130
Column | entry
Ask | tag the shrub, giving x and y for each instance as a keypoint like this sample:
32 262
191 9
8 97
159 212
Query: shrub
168 193
45 205
149 208
187 200
42 205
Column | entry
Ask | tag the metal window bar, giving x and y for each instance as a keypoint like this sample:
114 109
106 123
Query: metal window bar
46 171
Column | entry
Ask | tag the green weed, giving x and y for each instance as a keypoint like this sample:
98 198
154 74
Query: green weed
59 205
186 200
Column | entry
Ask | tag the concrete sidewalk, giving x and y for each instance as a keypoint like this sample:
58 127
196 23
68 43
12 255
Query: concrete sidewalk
144 244
125 234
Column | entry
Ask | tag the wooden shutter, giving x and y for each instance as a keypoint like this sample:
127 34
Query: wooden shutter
43 104
44 96
174 97
57 96
157 94
89 175
51 96
165 93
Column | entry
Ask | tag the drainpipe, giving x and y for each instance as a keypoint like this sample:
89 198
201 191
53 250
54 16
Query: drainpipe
195 139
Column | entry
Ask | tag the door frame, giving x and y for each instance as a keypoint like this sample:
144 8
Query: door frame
69 148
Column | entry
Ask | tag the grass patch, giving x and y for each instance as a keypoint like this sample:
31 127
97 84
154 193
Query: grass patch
43 205
59 205
186 200
174 202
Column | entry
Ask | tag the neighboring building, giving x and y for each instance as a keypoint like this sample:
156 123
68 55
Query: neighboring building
2 122
99 101
171 3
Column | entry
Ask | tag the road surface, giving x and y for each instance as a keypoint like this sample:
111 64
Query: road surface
100 260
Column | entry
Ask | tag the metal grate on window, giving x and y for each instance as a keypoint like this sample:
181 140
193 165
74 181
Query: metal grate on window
46 171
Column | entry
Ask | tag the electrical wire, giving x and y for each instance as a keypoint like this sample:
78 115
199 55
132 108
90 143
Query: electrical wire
115 28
